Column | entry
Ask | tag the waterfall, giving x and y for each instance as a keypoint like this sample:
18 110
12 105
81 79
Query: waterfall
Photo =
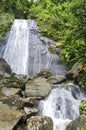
62 105
27 53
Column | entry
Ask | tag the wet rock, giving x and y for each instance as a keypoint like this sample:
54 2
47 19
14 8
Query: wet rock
10 91
4 74
31 101
14 82
10 83
58 51
52 48
40 123
8 117
74 72
56 79
4 67
45 73
30 111
21 77
37 87
78 124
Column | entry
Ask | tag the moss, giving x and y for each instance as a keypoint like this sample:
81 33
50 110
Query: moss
52 49
83 108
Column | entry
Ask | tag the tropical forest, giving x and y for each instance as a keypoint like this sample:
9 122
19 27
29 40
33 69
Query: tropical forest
43 64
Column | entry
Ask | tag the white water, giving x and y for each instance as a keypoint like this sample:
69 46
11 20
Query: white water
62 105
27 53
17 45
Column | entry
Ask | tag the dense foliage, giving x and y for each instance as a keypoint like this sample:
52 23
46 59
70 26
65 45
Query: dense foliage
62 20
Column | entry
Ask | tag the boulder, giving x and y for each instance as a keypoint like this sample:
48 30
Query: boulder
10 91
13 81
17 102
30 110
45 73
52 48
9 117
4 67
78 124
13 101
56 79
37 87
74 72
40 123
31 101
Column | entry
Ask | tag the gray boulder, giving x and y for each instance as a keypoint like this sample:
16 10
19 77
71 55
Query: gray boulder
37 87
4 67
40 123
45 73
13 101
9 117
56 79
78 124
10 91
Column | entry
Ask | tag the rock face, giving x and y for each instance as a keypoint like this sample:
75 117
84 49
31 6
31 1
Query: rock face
56 79
10 91
37 87
40 123
8 117
78 124
30 111
13 101
4 66
45 73
73 73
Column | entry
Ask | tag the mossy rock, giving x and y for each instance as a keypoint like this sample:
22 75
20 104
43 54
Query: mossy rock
78 124
40 123
52 49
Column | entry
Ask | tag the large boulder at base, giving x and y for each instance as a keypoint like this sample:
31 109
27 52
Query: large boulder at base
56 79
40 123
4 67
8 117
37 87
78 124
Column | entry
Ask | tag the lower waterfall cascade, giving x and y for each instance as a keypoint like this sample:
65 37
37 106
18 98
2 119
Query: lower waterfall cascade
62 105
27 53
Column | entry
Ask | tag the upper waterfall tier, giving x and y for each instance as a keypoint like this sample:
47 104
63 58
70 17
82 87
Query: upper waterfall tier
27 53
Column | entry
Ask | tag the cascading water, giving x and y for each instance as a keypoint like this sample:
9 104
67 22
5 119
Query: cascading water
27 53
62 105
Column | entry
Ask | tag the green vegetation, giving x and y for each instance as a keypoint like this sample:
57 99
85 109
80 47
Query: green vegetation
83 108
62 20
